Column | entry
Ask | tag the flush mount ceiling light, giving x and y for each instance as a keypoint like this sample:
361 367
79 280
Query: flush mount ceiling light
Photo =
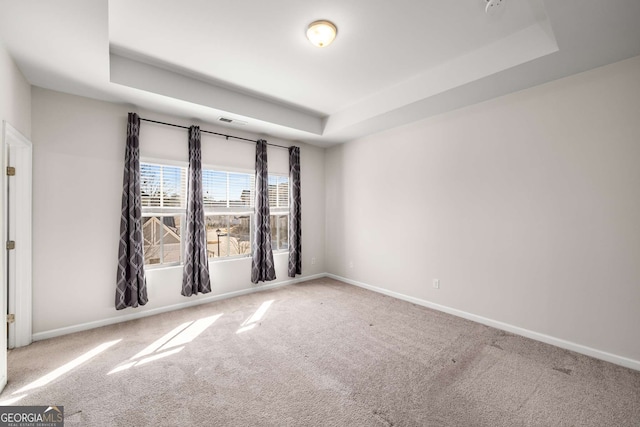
321 33
493 6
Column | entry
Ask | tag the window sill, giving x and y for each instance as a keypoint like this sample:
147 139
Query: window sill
154 268
211 261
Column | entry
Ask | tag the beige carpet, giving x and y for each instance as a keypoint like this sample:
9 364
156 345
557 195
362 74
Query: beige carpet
321 353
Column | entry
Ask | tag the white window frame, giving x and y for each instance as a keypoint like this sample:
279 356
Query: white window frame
228 211
160 211
278 211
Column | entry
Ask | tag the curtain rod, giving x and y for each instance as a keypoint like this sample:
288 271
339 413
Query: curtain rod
212 133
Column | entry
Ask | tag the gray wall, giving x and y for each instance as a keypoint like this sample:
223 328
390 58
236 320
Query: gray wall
15 95
526 207
78 161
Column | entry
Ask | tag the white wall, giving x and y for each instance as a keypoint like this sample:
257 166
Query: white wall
15 95
526 207
15 109
78 152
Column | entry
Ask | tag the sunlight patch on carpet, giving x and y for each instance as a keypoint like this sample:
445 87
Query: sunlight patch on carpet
175 340
12 400
252 321
191 332
159 356
42 381
151 348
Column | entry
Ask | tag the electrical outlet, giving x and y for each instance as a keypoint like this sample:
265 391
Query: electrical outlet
313 260
350 264
436 283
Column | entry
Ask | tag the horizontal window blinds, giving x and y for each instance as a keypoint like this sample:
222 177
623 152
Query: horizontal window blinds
227 189
162 186
278 192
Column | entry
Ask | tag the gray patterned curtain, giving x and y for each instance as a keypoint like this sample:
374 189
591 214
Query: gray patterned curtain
295 214
131 285
262 268
195 277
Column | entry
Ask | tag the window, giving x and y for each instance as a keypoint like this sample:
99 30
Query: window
163 190
279 210
228 204
228 199
162 243
279 232
162 186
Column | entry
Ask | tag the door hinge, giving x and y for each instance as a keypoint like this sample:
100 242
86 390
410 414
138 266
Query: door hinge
11 244
11 171
11 318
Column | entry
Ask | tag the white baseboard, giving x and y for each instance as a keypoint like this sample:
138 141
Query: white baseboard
558 342
118 319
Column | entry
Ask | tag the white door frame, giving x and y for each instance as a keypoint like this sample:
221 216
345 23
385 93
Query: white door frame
17 152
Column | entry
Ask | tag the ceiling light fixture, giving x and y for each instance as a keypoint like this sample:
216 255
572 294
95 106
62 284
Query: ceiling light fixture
493 6
321 33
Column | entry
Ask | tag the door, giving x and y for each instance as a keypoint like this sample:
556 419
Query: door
16 265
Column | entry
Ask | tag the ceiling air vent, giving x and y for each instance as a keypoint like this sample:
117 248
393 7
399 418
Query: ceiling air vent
231 121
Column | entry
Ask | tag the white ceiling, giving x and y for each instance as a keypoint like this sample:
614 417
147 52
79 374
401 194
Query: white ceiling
392 62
